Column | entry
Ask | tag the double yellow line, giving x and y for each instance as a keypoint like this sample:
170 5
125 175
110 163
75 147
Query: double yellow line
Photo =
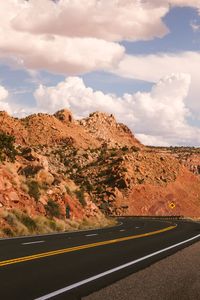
82 247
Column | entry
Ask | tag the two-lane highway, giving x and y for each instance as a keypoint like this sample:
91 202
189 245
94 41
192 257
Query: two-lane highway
70 265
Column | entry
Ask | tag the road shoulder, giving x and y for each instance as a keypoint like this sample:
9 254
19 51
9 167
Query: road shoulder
175 277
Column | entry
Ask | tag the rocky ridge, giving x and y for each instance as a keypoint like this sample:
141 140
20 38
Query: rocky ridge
71 174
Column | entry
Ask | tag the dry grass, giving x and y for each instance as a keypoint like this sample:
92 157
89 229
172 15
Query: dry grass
16 223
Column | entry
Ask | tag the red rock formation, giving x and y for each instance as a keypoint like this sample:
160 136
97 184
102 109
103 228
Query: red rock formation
60 161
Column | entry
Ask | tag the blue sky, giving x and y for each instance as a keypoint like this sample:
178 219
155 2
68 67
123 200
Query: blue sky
180 38
129 67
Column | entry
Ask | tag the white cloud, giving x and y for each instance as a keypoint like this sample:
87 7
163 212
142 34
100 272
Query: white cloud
152 140
73 37
186 3
109 20
180 3
73 94
195 26
4 105
159 116
56 53
153 67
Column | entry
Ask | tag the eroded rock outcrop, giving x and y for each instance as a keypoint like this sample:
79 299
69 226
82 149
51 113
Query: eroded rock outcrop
105 128
67 173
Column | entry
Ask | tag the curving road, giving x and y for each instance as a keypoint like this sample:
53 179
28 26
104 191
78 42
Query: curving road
72 265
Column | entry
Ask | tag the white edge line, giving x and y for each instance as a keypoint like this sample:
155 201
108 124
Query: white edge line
36 242
100 275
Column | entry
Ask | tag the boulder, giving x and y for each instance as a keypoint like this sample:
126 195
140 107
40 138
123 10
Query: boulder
44 176
64 116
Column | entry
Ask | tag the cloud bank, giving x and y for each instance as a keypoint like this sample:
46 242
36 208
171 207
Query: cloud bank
74 37
158 117
4 105
155 66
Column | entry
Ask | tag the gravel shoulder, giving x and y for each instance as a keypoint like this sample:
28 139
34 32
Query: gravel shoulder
176 277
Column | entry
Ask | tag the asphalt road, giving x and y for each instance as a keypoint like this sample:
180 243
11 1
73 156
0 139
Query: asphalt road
72 265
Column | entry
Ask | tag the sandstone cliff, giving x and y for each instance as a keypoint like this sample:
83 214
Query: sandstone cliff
64 174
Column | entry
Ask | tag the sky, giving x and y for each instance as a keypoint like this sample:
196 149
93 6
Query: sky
136 59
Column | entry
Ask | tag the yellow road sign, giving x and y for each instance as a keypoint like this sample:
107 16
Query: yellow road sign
172 205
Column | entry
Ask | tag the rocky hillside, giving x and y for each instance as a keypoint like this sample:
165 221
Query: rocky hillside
57 173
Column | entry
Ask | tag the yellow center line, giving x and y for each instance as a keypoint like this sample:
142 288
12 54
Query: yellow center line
77 248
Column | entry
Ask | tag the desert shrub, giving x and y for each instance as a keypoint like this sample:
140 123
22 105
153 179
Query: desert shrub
66 162
69 192
135 149
85 155
34 189
110 180
7 231
75 151
76 166
53 225
99 189
30 170
123 169
44 186
125 148
88 186
67 212
113 153
140 180
52 208
104 206
28 222
10 220
103 173
7 148
56 181
80 195
26 153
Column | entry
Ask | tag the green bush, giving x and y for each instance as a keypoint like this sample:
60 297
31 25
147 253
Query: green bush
30 170
113 153
34 189
125 148
67 212
28 222
85 155
99 189
80 196
140 180
53 225
88 186
52 208
110 180
69 192
7 148
8 231
10 220
135 149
